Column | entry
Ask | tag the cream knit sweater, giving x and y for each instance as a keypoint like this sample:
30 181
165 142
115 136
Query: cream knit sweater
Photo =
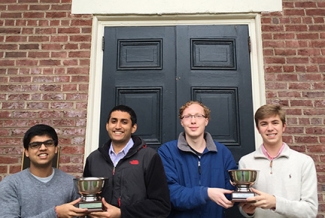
291 178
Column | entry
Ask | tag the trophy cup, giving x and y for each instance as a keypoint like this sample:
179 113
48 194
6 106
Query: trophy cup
243 179
90 188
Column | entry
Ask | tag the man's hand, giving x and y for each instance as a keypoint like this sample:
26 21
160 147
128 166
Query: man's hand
111 211
263 200
218 195
69 210
248 208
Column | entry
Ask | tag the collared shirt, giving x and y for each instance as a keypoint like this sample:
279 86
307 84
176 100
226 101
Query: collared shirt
117 157
267 153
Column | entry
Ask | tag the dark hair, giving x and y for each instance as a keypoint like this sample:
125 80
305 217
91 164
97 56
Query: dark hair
126 109
40 130
270 110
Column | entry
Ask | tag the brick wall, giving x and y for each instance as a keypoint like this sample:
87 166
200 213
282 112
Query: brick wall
44 77
294 62
44 68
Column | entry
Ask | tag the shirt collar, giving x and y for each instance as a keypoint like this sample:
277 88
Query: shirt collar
285 152
125 150
268 155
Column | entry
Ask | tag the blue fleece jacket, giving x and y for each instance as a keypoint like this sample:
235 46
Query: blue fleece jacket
189 175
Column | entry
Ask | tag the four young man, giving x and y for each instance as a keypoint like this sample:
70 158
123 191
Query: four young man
196 168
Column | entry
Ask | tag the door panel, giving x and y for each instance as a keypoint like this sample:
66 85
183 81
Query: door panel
139 65
213 67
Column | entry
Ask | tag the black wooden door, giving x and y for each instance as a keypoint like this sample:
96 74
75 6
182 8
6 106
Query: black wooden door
155 70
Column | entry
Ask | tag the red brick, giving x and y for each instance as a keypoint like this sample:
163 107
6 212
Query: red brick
28 46
68 30
298 28
314 111
80 22
69 87
315 130
80 79
39 7
8 160
287 77
72 168
13 105
80 38
76 114
53 96
71 46
294 130
33 14
38 54
289 94
50 114
74 71
7 15
3 169
76 97
274 60
307 36
285 52
299 86
305 4
50 62
15 54
14 169
18 7
45 31
293 12
313 94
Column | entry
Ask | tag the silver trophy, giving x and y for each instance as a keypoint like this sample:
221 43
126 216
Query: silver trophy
243 179
90 188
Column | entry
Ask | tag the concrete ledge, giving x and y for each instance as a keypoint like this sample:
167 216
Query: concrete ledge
118 7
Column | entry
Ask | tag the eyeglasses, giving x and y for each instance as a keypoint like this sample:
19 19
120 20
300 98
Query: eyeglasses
196 116
38 145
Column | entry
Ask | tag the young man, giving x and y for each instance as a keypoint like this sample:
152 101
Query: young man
286 184
40 190
197 167
136 184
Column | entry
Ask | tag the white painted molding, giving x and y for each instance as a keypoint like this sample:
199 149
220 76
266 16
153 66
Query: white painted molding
159 7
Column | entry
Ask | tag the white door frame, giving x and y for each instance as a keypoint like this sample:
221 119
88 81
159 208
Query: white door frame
253 21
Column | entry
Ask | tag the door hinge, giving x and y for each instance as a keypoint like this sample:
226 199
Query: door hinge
249 44
103 43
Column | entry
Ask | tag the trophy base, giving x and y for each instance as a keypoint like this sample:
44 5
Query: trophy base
92 206
241 196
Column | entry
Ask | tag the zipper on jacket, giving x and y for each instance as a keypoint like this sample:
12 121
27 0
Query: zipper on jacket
271 164
113 172
199 166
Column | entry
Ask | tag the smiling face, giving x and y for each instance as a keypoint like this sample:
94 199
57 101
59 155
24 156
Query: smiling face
194 126
41 157
271 130
119 128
